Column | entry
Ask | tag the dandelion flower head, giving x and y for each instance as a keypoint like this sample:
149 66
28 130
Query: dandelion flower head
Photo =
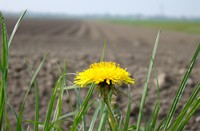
107 72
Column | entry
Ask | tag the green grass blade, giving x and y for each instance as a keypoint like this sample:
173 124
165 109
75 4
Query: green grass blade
83 107
157 83
91 128
4 35
103 117
180 90
66 116
160 125
193 109
154 116
70 101
14 112
147 81
58 109
78 106
120 123
7 123
4 71
33 122
15 28
19 122
186 107
61 118
86 110
36 97
38 69
0 67
103 52
60 102
132 128
128 112
47 125
71 87
36 105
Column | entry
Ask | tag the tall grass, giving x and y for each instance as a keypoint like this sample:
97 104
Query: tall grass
6 42
104 116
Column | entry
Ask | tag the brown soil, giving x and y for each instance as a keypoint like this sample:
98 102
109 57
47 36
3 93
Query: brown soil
80 43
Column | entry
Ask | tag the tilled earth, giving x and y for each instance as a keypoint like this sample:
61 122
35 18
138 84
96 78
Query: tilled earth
80 43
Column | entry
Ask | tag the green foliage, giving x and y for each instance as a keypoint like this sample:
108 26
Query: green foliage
128 112
186 107
83 108
180 90
6 42
19 121
4 69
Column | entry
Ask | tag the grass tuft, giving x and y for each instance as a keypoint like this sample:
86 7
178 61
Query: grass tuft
180 90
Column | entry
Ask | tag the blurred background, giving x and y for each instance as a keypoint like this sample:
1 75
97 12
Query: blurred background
75 31
127 12
162 8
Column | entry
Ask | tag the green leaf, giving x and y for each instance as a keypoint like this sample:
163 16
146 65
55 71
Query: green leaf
4 72
0 67
132 127
95 116
154 116
58 109
14 112
180 90
128 112
36 97
47 125
193 109
103 117
103 52
15 28
4 53
147 81
157 83
65 116
83 107
160 125
71 87
19 122
186 107
120 123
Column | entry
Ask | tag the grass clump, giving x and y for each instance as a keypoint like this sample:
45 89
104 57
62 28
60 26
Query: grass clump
102 76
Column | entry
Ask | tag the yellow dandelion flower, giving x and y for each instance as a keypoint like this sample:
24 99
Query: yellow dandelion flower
103 72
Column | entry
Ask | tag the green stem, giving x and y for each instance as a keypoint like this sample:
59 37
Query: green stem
111 116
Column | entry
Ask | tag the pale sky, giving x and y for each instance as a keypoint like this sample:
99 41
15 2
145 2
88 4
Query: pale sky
174 8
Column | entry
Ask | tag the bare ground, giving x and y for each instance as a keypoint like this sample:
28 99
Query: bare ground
80 43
